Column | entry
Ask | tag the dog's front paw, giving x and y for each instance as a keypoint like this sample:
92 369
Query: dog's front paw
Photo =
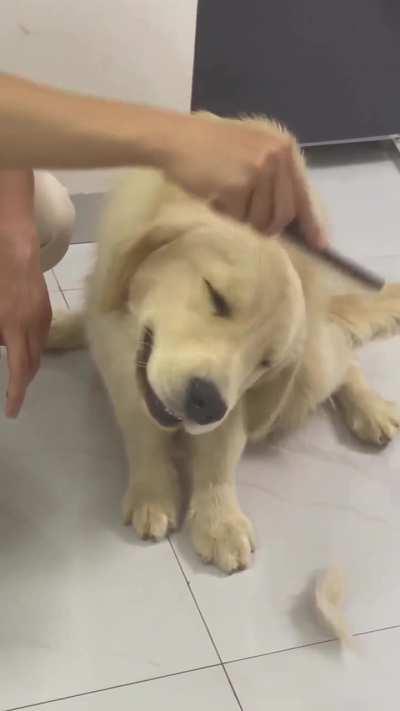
227 540
152 515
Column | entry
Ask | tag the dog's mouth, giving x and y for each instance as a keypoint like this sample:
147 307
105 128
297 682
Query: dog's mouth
156 407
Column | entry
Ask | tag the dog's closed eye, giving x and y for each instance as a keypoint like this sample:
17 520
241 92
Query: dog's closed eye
221 306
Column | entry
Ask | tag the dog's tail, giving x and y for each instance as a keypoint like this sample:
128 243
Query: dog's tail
67 331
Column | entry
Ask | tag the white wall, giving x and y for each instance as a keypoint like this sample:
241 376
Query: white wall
138 50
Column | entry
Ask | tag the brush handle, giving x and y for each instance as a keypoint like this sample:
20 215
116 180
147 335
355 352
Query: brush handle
337 260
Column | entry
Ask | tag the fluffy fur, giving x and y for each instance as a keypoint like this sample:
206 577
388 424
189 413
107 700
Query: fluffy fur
283 345
329 599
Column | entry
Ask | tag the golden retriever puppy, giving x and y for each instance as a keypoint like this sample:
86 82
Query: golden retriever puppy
199 324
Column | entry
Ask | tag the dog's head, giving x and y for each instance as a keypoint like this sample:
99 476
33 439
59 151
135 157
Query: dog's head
217 308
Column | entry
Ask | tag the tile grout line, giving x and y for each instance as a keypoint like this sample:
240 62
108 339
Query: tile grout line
127 685
54 273
221 664
78 288
211 638
59 288
329 640
376 630
66 300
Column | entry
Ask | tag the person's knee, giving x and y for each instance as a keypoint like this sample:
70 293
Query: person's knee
55 217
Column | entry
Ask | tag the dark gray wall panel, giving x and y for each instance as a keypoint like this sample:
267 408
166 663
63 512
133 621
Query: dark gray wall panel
329 70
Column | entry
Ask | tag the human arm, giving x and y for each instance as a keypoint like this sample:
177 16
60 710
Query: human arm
25 311
251 173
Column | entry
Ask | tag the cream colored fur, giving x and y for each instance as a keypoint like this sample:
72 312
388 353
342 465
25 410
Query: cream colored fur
157 246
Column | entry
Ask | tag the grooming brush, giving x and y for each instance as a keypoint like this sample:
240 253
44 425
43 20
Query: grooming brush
338 261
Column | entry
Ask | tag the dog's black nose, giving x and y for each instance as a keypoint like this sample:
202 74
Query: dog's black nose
204 404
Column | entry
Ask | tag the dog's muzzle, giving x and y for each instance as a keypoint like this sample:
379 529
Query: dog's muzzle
203 404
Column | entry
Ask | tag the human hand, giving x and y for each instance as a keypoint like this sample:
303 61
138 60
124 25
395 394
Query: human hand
253 170
25 311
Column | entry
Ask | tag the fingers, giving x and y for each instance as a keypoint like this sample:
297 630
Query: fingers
19 372
284 197
233 201
255 170
308 213
261 206
37 337
35 353
282 194
312 227
23 356
273 204
269 205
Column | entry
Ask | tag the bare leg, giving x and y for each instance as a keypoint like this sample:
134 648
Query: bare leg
55 216
221 533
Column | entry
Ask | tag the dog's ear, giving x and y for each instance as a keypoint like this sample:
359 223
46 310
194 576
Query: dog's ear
269 398
177 214
127 259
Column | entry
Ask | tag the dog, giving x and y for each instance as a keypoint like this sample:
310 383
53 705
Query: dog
200 325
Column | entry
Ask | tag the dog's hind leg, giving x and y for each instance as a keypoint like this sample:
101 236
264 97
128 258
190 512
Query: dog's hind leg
365 317
368 416
67 331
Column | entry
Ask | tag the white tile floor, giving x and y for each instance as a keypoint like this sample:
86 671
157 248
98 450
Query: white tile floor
91 619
